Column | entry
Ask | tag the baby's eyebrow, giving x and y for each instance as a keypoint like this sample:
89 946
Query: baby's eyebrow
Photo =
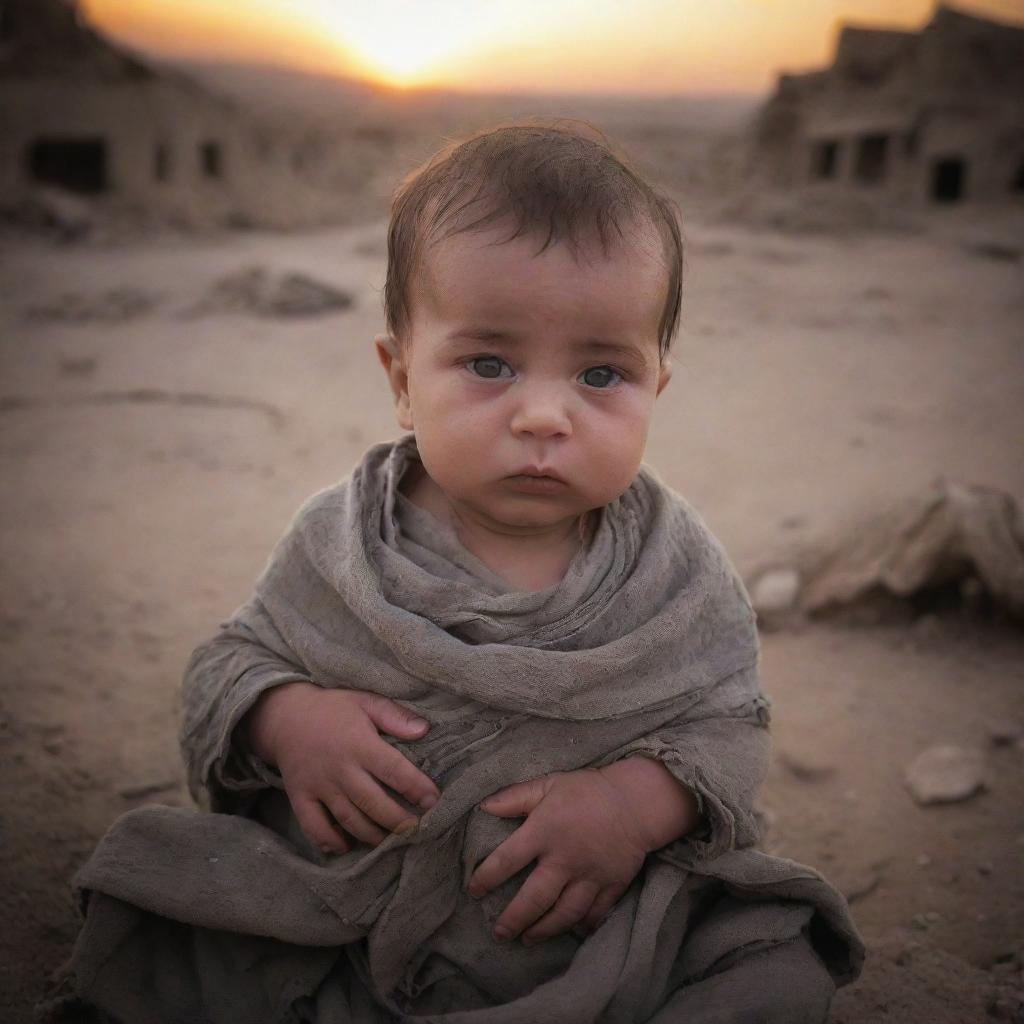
588 346
612 349
479 334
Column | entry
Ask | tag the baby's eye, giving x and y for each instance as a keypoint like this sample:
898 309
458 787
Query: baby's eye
599 377
490 367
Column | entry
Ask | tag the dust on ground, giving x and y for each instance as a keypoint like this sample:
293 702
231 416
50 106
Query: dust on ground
151 458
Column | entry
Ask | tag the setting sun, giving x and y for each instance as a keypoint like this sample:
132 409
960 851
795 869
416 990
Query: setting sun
410 45
524 46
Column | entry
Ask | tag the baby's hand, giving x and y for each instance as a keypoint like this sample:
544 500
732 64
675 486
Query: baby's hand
587 845
334 765
589 832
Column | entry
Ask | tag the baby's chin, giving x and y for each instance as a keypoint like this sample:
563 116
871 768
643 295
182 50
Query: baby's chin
519 515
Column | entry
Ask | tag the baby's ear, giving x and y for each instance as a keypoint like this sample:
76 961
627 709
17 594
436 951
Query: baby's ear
392 358
665 374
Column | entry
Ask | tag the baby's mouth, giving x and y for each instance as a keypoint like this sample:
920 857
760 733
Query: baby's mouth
536 480
539 473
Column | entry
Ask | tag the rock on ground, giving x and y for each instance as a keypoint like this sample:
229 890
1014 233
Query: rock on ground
945 774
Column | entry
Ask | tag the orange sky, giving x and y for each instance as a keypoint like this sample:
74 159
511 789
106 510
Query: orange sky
637 46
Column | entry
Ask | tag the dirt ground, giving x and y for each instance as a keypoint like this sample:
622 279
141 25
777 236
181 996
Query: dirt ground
150 458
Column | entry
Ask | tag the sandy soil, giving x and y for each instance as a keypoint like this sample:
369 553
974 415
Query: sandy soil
149 464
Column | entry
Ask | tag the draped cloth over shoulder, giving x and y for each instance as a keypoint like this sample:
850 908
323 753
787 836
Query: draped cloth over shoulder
647 647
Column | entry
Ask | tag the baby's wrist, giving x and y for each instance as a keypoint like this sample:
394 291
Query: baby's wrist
260 727
663 808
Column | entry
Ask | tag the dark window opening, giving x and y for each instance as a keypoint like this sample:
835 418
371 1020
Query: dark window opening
79 165
948 176
872 154
864 73
911 142
162 162
210 159
825 159
1017 185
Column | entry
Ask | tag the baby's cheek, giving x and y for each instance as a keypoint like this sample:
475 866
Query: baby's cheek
621 449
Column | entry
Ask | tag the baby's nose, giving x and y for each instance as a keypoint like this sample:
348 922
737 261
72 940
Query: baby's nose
542 412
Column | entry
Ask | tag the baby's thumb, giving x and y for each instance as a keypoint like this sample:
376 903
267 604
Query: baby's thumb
393 719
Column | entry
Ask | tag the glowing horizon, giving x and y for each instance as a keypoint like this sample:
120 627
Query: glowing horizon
522 46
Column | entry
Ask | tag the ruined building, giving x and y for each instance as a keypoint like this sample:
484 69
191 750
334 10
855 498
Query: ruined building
80 114
934 116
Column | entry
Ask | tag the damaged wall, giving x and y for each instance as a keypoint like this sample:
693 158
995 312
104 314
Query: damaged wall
79 114
927 117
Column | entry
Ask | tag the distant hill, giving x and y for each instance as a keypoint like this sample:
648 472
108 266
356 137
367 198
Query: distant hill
269 88
275 89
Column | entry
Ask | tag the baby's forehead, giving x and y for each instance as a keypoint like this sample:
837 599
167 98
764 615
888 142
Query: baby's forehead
636 242
485 281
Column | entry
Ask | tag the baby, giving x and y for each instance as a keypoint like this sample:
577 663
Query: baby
527 369
498 685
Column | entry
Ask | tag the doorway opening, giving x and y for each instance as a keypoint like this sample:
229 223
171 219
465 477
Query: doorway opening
211 160
948 179
78 165
825 159
872 158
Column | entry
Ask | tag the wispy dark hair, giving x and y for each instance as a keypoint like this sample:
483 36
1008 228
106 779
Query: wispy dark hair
563 181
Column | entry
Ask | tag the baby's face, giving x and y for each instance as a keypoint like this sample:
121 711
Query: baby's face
529 380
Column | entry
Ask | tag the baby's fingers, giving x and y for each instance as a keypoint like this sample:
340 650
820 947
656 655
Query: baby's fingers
572 907
511 856
353 821
601 908
401 775
539 893
373 802
515 801
391 717
317 826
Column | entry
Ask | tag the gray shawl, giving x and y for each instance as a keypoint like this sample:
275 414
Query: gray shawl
648 646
